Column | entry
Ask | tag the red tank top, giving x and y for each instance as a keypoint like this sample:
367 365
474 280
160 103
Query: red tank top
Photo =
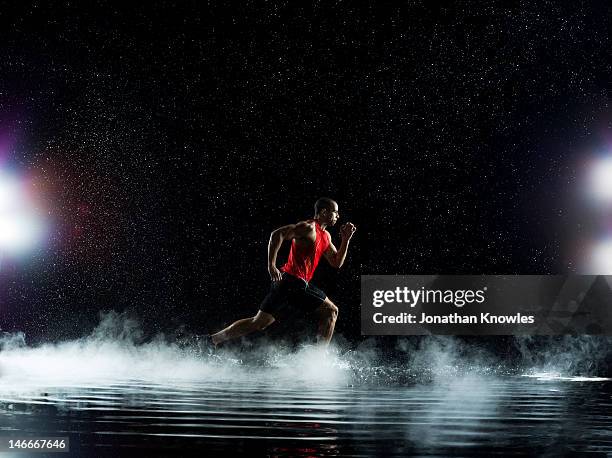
303 260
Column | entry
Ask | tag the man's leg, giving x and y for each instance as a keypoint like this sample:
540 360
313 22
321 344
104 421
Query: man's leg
243 327
328 314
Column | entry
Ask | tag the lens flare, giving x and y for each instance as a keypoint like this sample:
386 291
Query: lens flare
9 192
599 257
22 226
599 178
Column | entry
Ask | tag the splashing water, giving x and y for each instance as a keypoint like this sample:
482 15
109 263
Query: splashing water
113 390
115 351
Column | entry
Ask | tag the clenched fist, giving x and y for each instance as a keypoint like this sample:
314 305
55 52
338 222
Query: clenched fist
347 230
275 274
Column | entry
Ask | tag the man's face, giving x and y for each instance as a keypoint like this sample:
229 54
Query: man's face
331 215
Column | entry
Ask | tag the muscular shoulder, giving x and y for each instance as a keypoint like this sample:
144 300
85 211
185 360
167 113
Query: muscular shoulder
304 228
309 223
328 235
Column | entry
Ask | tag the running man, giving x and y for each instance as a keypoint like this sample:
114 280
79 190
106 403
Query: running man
291 284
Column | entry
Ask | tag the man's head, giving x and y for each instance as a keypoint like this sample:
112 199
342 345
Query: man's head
326 211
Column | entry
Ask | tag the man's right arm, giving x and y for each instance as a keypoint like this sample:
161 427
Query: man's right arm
277 238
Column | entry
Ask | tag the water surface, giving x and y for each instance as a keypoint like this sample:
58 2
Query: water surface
269 414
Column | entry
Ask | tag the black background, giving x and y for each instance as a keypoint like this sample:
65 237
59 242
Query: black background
171 139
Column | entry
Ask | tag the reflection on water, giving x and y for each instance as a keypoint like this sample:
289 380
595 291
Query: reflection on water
115 397
458 415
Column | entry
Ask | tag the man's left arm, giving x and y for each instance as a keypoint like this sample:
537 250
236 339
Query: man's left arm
334 256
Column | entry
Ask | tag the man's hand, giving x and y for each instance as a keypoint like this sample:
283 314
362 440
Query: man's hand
275 274
347 230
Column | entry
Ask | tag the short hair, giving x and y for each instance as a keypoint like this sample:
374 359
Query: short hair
324 202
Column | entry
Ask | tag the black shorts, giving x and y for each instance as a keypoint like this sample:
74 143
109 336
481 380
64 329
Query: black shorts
293 292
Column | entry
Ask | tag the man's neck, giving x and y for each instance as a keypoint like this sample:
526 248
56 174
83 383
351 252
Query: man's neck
323 225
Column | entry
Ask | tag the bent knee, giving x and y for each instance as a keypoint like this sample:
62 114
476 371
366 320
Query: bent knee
262 322
330 309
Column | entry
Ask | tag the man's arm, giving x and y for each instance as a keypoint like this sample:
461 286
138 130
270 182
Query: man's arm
277 238
334 256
